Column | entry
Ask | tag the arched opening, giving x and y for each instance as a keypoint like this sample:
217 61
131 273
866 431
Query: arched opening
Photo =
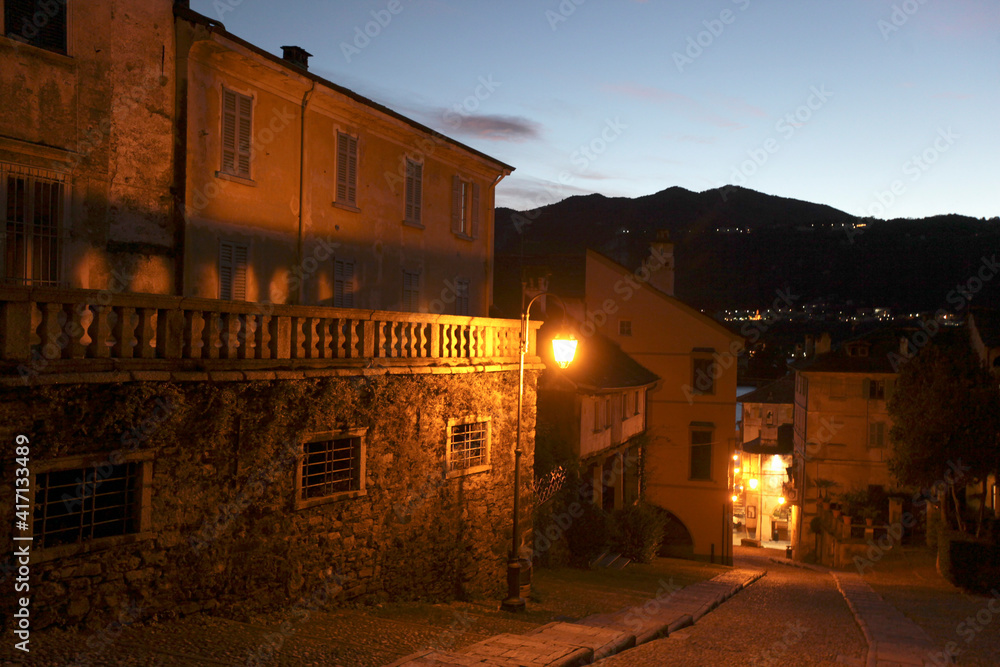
677 542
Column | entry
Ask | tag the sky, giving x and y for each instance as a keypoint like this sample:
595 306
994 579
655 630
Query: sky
881 108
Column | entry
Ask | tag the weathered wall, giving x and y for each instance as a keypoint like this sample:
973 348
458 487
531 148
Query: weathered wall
224 528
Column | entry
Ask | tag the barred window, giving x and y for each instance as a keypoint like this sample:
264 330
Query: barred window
31 203
332 464
36 22
79 504
468 446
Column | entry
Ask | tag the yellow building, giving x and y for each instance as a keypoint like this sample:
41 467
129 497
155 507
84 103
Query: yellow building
691 415
297 190
841 426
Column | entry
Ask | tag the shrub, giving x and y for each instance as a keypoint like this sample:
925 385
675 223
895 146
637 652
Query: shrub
588 535
637 532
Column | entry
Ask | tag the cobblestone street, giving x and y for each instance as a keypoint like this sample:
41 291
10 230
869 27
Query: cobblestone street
793 616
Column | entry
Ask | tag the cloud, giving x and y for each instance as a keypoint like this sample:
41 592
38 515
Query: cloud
687 106
491 127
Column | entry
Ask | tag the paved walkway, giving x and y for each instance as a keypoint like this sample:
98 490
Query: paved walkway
597 636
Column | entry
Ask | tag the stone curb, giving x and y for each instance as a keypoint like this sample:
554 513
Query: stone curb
595 637
893 639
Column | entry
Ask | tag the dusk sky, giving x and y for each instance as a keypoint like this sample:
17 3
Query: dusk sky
877 107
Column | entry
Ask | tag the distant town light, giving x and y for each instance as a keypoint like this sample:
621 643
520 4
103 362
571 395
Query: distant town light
736 470
781 500
735 498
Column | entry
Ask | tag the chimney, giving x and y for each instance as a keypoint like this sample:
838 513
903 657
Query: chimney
823 344
660 263
296 55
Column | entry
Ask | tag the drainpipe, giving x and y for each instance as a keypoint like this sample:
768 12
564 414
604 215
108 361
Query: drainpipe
302 186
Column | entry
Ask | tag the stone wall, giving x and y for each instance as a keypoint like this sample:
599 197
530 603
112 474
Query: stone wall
223 531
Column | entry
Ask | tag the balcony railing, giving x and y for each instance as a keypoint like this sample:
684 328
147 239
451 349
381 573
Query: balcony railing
53 324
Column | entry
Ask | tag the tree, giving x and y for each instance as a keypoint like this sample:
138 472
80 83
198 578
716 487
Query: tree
946 414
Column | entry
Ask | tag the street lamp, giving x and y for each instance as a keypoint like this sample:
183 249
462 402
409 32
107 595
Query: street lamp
563 349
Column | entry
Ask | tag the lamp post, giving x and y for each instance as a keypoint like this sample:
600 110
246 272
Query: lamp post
563 350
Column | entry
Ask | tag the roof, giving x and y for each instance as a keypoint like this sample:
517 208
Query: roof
599 365
778 392
875 352
784 445
216 27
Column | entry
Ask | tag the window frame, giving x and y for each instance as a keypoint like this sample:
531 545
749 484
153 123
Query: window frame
705 363
21 38
881 435
411 294
35 236
462 289
242 146
143 498
487 445
235 249
348 284
709 433
346 171
360 466
465 205
624 327
413 193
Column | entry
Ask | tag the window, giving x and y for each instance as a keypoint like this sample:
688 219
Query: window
468 446
464 207
701 454
702 378
624 327
636 402
414 181
607 412
461 297
625 410
32 202
236 128
769 420
81 500
40 23
343 283
411 291
875 389
876 434
598 427
332 466
347 169
232 271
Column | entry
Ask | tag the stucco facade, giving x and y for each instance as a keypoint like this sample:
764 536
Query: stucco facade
691 415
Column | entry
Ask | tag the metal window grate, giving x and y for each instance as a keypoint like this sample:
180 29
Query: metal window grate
73 506
32 210
331 466
467 446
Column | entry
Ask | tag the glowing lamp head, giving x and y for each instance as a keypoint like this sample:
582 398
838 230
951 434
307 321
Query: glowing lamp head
781 500
736 470
735 498
753 484
564 349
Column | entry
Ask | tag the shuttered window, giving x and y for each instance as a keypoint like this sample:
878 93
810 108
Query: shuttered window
464 207
41 23
347 169
414 183
343 284
236 128
876 434
232 271
461 297
411 291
